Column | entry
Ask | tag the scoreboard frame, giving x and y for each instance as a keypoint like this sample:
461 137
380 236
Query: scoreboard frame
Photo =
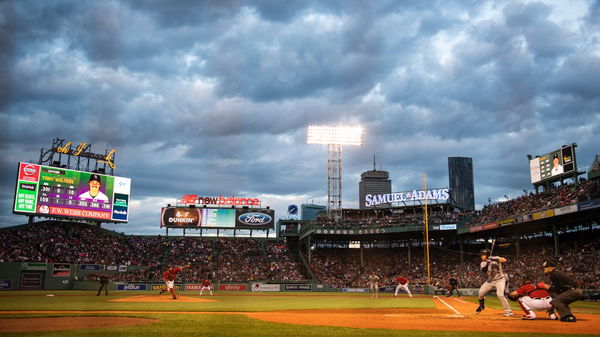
48 191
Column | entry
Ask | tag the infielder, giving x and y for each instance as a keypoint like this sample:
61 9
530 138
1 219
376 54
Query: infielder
169 278
492 267
402 283
373 283
206 286
533 296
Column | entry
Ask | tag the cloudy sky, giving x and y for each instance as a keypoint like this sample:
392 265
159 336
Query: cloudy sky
214 97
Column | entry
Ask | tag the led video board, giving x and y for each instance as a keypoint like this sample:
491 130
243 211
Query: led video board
226 218
58 192
553 164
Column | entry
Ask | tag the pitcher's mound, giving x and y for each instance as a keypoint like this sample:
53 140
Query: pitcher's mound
162 299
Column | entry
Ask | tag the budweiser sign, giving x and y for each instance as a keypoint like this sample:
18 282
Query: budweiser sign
233 287
219 201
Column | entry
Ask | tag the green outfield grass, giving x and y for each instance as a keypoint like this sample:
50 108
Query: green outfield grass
174 324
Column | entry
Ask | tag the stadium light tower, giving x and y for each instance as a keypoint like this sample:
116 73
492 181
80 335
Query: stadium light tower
334 137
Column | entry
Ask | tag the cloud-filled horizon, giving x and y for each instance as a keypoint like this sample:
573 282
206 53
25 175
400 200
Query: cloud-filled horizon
214 98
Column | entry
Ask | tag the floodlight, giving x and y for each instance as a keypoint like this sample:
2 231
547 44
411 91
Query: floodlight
335 135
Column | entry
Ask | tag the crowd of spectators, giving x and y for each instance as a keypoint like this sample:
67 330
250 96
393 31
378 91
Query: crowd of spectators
531 203
341 267
77 243
235 260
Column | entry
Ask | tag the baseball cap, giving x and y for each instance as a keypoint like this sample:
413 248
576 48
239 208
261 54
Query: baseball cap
95 177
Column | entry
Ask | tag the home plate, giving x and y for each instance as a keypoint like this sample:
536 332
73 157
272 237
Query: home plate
162 299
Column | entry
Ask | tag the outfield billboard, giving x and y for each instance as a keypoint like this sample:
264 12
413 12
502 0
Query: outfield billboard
58 192
553 164
226 218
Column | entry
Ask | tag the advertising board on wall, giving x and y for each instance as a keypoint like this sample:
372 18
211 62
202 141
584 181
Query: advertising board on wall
5 284
59 192
132 286
228 218
61 269
233 287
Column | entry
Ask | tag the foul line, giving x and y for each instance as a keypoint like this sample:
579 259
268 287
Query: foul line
448 305
461 301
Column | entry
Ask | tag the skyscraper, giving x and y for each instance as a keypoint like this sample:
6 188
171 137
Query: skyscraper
373 182
460 175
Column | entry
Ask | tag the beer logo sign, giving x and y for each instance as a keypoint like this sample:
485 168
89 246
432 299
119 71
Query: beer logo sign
255 218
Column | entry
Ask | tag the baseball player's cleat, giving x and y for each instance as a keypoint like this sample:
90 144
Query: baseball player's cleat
568 318
480 309
527 317
553 317
508 314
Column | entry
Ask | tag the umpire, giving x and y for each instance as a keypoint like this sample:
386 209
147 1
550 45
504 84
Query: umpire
563 290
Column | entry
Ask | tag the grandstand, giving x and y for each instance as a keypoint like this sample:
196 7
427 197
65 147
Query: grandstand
561 222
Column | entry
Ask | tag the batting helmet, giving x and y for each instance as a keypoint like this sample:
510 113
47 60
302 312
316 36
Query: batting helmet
485 252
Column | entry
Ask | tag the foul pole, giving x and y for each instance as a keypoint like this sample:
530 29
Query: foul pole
426 232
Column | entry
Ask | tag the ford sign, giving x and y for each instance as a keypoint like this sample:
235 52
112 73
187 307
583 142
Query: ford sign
255 218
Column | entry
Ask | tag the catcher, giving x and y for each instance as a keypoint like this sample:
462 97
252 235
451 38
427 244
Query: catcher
533 296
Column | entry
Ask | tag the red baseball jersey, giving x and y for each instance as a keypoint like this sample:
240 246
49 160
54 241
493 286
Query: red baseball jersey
533 290
169 275
206 283
401 280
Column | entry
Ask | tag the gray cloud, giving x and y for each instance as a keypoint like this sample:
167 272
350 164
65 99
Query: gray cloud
215 97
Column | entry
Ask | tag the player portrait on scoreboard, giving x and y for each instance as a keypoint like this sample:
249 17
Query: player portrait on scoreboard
556 166
94 193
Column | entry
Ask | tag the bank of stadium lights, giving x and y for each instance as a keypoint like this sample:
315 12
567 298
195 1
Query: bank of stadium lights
334 137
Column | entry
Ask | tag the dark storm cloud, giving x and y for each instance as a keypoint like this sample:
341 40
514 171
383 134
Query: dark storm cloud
214 97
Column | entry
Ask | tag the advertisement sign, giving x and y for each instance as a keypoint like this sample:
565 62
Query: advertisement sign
552 164
355 290
565 210
414 195
33 266
180 217
543 214
265 287
582 206
219 201
164 286
61 270
90 267
133 286
123 268
447 227
233 287
5 284
297 287
54 191
193 287
245 218
254 218
112 268
31 279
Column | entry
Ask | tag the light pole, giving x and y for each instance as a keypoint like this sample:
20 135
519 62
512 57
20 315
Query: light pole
334 137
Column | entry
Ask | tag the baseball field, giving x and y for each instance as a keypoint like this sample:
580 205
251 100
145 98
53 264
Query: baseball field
82 313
